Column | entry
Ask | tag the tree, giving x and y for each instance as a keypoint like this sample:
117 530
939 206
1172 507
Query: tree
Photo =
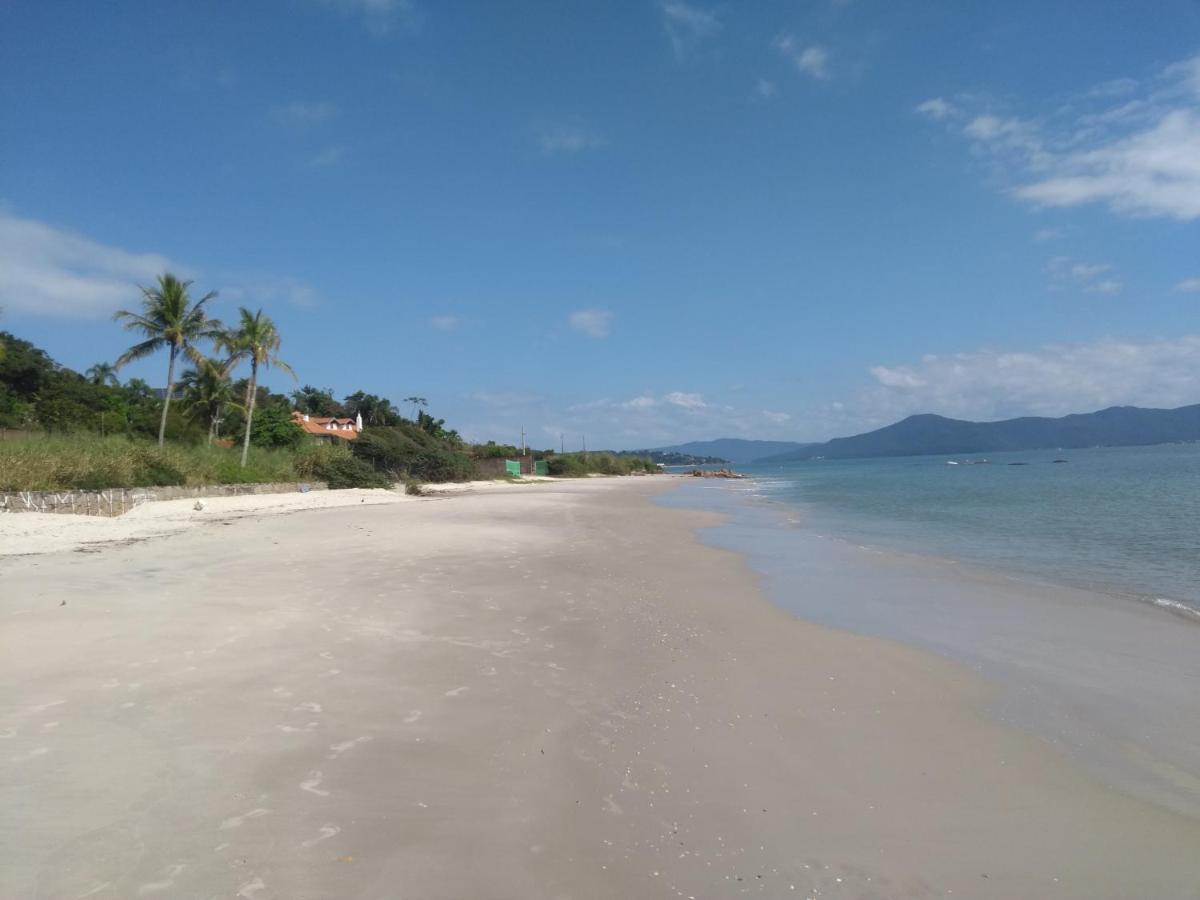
256 339
168 319
374 410
416 402
103 373
316 402
207 391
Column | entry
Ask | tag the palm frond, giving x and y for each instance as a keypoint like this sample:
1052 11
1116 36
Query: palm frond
139 351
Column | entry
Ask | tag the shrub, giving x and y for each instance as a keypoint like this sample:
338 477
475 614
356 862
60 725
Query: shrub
345 471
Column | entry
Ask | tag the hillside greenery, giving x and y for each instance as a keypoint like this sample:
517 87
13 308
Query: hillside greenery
62 430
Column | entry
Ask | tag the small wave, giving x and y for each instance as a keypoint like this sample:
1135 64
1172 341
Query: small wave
1177 607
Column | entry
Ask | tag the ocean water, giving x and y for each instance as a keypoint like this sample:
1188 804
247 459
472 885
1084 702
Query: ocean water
1072 588
1122 521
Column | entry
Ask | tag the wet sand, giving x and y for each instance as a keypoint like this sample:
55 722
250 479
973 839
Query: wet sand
538 691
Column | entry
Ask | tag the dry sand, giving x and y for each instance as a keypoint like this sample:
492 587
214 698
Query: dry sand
547 691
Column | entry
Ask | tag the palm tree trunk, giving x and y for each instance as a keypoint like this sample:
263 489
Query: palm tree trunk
251 396
162 426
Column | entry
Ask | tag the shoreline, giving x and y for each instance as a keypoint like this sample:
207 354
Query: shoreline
1100 676
561 684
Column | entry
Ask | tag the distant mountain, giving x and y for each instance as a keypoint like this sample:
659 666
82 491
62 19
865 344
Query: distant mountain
1117 426
732 450
674 458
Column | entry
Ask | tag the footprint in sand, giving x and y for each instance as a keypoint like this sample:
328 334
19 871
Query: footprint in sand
313 784
168 881
457 691
248 890
325 833
412 717
239 821
339 749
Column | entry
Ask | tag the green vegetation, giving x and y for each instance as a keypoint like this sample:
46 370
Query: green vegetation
60 430
410 452
85 461
257 340
169 319
576 465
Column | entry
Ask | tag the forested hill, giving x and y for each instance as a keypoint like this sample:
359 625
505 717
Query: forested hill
733 450
931 434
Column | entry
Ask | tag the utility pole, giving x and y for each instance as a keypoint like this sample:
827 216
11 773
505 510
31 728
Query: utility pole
585 443
562 443
522 440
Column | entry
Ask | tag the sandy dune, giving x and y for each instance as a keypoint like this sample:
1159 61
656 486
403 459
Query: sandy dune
541 691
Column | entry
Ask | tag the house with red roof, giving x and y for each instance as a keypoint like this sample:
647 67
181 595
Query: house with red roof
329 429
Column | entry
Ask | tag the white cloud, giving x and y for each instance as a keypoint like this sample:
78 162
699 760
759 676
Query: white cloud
687 26
1089 270
645 401
1155 172
49 271
1108 286
444 323
1051 381
1189 286
304 114
1138 154
935 108
594 323
685 400
812 59
778 418
567 138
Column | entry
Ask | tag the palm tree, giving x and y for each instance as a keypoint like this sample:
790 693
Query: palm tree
168 319
416 402
257 340
103 373
207 391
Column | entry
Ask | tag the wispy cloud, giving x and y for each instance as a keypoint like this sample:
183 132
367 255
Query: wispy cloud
935 108
264 290
1051 381
687 26
380 16
567 137
686 400
303 113
595 323
811 59
444 323
1069 273
1189 286
651 419
50 271
1133 147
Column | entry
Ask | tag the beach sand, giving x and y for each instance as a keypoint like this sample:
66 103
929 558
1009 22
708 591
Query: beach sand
528 691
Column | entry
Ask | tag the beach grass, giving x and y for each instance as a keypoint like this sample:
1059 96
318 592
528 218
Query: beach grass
89 462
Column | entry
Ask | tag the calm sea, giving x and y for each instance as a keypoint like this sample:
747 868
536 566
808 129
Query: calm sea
1118 520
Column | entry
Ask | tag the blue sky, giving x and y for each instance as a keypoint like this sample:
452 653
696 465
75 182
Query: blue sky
643 221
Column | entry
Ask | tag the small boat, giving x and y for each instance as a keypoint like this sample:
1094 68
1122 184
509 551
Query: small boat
952 462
